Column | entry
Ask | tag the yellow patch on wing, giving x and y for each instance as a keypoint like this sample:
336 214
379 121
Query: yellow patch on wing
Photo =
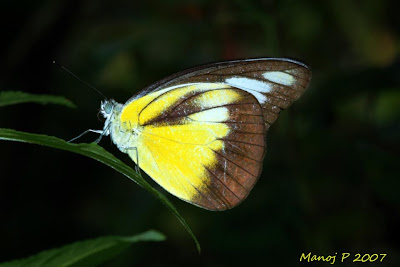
195 133
130 113
178 167
165 101
215 98
177 154
152 105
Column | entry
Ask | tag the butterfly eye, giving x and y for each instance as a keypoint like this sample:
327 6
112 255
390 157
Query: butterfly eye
108 107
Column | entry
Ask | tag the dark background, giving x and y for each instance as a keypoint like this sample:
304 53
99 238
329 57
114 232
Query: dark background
330 182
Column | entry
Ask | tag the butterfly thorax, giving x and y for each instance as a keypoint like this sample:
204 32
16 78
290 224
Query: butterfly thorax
123 134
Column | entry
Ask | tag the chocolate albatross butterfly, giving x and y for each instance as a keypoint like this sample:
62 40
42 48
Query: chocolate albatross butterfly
201 133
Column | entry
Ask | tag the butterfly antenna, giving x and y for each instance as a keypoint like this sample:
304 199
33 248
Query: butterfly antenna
76 77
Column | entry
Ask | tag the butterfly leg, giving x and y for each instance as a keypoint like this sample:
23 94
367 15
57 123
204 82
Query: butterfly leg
137 169
137 162
87 131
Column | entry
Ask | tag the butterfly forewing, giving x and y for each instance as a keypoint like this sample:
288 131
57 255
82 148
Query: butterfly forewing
202 131
275 82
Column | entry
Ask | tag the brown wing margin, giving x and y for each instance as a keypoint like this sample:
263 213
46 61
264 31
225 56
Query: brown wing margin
239 163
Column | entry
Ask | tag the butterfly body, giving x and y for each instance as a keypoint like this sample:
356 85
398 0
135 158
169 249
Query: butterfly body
201 134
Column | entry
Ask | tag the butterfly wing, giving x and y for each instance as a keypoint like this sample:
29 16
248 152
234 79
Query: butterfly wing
202 131
275 82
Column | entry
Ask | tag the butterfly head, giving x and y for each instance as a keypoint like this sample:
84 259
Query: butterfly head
108 109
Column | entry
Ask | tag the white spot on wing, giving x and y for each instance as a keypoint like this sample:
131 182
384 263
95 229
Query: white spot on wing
249 84
260 97
254 87
279 77
219 114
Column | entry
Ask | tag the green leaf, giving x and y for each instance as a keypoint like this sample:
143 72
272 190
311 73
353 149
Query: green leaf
91 252
98 153
16 97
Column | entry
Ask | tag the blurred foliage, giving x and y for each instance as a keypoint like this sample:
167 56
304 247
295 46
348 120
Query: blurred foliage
331 176
15 97
85 253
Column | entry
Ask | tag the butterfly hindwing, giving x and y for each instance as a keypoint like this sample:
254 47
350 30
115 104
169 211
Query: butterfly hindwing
202 142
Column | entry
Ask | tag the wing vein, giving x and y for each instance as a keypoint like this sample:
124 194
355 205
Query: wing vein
233 163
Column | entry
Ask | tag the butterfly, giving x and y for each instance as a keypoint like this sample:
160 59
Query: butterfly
201 133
